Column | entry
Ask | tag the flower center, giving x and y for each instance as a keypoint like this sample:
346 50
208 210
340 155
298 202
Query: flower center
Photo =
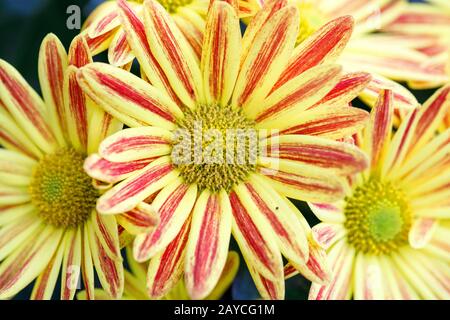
172 5
378 217
61 190
311 19
216 147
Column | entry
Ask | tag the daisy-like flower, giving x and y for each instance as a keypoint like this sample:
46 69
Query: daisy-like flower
292 102
389 56
48 220
389 239
426 28
103 29
135 282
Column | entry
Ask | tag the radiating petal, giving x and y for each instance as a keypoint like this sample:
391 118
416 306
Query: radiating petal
120 53
109 269
336 157
173 53
127 194
329 121
28 261
256 240
324 46
378 132
221 50
136 144
302 182
118 90
259 197
340 258
296 95
137 39
369 278
141 219
112 172
71 266
51 66
45 284
421 232
207 247
166 268
268 54
173 205
26 107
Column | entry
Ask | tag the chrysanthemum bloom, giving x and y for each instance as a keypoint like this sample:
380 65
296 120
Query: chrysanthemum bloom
47 202
426 28
103 27
387 56
389 239
135 282
248 85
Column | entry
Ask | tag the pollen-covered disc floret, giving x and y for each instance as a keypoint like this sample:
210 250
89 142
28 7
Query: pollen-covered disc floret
222 147
172 5
378 217
61 190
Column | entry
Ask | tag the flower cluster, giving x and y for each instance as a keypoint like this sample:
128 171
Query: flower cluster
240 108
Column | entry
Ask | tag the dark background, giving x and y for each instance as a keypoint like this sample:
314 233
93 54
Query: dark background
23 25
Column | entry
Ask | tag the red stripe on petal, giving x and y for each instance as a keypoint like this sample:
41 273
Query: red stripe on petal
327 41
250 232
128 93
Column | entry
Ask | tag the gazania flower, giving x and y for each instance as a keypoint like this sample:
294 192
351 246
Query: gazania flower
135 282
387 56
48 220
291 103
426 28
389 238
103 27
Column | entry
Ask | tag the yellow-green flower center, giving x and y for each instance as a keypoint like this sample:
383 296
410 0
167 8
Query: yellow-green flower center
378 217
311 19
172 5
216 147
61 191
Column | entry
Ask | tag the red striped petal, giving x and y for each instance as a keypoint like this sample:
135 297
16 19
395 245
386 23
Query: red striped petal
120 53
26 107
165 269
127 194
173 204
112 172
138 42
256 241
52 65
380 127
222 45
323 46
141 219
207 248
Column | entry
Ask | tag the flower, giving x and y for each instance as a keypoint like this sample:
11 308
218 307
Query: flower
389 238
426 26
103 29
47 202
294 103
387 55
135 282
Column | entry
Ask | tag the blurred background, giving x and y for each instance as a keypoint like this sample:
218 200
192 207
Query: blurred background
23 25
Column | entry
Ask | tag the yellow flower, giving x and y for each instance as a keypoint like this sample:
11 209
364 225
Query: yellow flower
47 202
292 103
135 282
103 29
389 238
